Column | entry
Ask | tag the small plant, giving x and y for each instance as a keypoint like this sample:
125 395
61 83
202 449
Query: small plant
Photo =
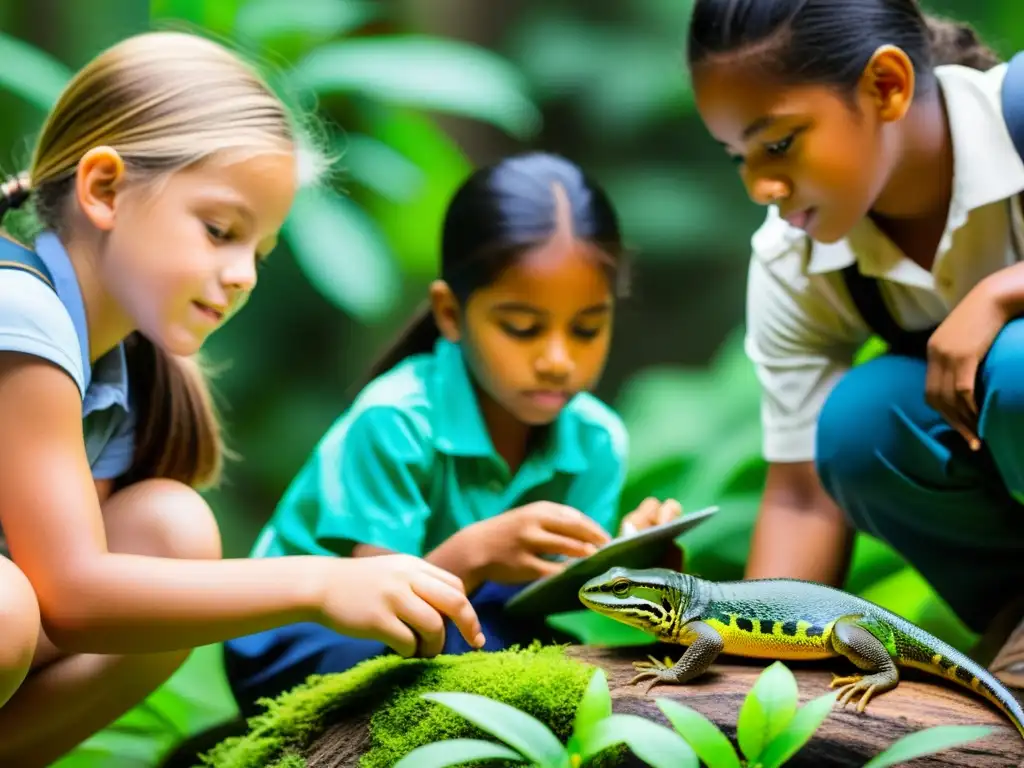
771 729
595 729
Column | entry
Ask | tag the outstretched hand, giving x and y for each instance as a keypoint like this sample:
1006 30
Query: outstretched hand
650 513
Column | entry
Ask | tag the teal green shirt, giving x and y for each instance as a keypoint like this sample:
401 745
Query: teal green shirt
410 463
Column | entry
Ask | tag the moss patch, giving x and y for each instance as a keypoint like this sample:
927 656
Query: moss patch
540 680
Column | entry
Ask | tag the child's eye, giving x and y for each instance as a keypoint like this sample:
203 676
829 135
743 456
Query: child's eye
520 333
779 148
586 333
216 232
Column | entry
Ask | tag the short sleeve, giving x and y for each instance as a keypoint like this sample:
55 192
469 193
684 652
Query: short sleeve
34 321
364 485
116 457
597 491
797 354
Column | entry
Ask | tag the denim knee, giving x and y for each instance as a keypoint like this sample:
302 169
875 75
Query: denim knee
1000 400
861 423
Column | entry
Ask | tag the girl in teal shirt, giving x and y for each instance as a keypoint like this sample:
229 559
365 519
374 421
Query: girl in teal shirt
476 445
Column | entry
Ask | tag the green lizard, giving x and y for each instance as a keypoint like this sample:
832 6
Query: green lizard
780 619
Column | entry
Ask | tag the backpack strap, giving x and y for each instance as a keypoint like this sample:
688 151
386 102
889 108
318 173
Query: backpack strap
867 298
16 256
1012 97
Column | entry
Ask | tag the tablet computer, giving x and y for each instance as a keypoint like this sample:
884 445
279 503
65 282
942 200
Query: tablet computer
643 549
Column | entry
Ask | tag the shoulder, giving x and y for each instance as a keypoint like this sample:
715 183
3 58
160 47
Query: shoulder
600 428
390 415
34 321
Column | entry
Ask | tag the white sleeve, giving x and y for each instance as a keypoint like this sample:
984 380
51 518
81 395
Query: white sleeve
34 321
795 340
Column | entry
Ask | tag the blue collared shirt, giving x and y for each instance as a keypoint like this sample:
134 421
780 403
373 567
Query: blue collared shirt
37 321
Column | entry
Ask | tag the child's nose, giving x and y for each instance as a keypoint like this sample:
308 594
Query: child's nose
240 273
556 360
766 190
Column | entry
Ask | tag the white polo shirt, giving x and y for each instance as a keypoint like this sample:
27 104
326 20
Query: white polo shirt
802 327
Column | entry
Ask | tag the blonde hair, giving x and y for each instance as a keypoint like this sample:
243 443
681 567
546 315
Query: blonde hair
164 101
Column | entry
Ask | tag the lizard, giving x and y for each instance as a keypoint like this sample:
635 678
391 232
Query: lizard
783 619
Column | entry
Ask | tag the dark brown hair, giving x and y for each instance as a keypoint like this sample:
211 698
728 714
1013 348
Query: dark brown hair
830 41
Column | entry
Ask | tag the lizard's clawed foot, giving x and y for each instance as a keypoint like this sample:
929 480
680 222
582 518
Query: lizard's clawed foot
653 663
655 670
854 684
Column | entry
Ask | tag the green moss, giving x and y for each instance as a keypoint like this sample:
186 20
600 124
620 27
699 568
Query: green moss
291 760
540 680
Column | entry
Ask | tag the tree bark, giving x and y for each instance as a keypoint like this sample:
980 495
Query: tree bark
846 739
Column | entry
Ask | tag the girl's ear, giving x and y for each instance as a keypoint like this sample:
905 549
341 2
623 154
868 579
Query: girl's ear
96 182
888 83
446 311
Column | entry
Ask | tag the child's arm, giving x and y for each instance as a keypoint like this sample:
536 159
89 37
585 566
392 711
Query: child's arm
800 532
95 601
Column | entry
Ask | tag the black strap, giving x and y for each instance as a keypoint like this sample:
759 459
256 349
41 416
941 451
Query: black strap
867 298
16 256
1012 96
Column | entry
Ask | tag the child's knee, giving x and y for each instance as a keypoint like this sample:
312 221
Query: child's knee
19 618
162 518
1002 377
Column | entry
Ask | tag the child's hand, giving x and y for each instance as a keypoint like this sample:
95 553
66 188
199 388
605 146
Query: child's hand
400 600
511 544
651 512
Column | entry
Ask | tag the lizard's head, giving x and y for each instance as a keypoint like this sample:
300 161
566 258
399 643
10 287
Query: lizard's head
648 599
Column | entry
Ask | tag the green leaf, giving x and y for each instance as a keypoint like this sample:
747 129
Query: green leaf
800 729
517 729
655 744
342 252
926 742
775 691
707 740
596 703
442 754
380 167
37 77
442 75
265 19
750 728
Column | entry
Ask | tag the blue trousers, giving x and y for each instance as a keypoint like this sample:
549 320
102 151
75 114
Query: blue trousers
903 475
267 664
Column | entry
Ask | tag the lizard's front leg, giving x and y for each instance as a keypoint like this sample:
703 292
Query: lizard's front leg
700 655
868 653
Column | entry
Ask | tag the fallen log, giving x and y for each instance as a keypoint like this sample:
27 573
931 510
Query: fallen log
846 739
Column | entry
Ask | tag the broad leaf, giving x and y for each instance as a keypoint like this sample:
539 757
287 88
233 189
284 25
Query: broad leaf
767 710
926 742
707 740
596 703
655 744
342 252
31 73
442 754
517 729
379 167
264 19
799 731
442 75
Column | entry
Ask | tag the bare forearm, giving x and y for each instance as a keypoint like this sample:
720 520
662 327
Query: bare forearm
800 532
133 604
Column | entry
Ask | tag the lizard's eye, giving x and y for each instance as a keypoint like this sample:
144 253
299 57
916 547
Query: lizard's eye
620 588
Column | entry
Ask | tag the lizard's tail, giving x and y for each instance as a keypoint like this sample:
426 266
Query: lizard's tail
944 661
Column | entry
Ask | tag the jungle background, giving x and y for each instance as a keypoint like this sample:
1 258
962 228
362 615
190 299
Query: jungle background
413 94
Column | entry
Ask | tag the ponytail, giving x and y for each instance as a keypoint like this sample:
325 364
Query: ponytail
177 433
954 42
419 336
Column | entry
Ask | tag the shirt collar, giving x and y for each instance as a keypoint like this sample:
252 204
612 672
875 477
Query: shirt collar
106 381
986 169
459 428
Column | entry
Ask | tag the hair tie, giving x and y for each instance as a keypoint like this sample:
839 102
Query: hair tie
16 189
